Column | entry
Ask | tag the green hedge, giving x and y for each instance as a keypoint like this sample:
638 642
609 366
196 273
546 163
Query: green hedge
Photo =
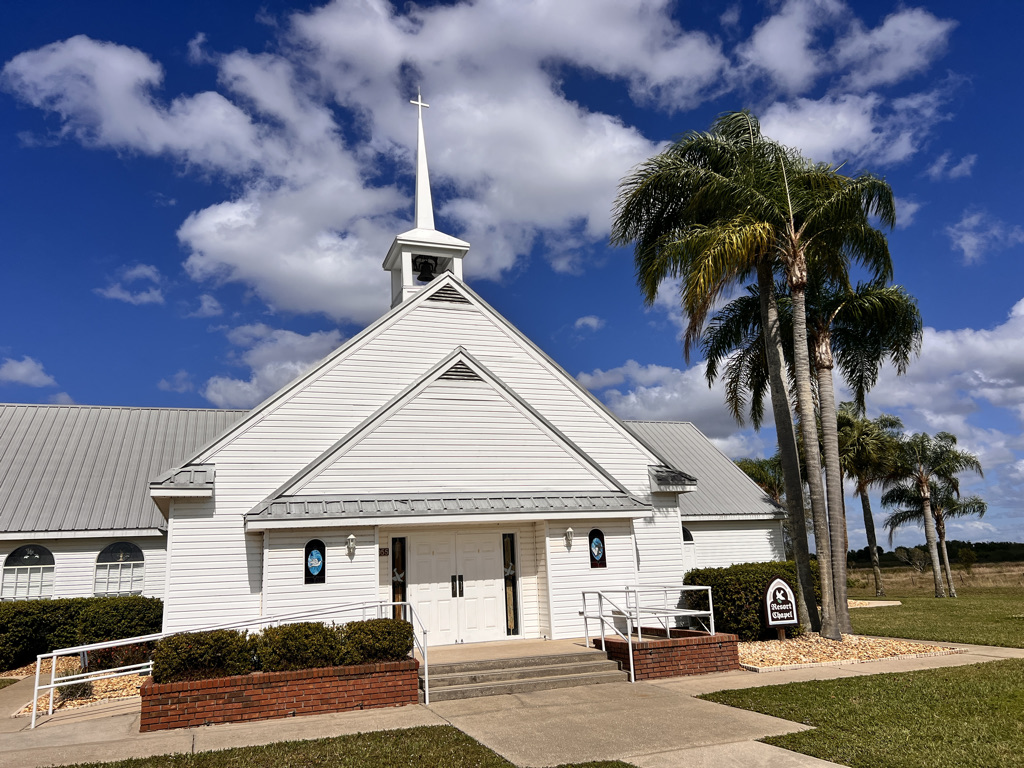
738 592
367 642
202 655
31 627
308 645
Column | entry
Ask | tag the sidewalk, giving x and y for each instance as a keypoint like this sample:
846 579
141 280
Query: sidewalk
651 725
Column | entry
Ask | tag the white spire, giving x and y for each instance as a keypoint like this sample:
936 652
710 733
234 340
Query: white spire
424 217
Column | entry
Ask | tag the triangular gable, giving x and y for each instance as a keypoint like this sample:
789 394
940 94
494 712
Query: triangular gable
338 393
458 428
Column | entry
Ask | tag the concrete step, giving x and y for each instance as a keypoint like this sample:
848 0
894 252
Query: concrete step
482 665
525 685
521 673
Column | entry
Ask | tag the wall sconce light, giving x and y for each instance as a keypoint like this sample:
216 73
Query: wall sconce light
351 545
568 538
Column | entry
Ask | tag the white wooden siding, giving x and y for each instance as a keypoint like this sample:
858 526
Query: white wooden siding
461 435
216 569
543 607
723 543
74 560
348 580
659 544
570 572
529 579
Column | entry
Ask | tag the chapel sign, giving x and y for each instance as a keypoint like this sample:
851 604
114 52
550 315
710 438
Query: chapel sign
780 605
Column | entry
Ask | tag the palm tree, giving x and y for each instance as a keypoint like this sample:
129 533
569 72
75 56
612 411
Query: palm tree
864 449
856 329
691 199
946 503
919 460
767 473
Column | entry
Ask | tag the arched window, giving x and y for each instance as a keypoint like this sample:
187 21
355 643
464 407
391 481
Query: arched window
598 555
120 570
315 564
28 574
687 536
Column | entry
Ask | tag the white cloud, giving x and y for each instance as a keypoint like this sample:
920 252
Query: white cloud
783 46
589 322
208 307
978 233
274 357
180 382
28 371
906 210
905 44
139 272
942 168
62 398
858 127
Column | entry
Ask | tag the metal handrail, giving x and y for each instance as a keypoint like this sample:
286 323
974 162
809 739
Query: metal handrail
635 610
377 607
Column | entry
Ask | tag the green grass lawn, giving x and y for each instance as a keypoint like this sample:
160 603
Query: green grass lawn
5 681
430 747
986 616
958 717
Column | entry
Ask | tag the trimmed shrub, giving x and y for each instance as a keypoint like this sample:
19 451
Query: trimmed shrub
307 645
202 655
111 618
738 592
120 656
31 627
366 642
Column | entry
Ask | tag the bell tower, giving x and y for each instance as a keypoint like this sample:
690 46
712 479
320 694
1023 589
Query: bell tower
418 256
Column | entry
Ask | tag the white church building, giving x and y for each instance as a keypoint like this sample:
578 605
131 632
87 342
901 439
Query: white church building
439 457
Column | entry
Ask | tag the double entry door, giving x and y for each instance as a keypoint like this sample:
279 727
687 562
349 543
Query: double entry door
456 585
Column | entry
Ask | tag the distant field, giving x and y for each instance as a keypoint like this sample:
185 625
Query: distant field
907 581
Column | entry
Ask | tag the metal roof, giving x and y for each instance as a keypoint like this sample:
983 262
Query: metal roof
193 476
297 508
81 468
723 489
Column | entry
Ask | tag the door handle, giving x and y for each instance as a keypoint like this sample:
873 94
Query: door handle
454 591
460 585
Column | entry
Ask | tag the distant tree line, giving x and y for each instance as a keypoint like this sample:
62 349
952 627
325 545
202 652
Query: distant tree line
984 552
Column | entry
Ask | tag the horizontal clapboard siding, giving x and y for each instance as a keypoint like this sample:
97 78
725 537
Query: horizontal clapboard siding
348 580
529 580
74 563
543 606
659 544
463 436
570 571
216 569
723 543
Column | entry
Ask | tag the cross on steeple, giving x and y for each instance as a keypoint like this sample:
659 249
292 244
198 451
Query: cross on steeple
424 213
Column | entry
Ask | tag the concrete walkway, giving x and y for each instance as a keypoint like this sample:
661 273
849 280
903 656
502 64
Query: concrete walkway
650 725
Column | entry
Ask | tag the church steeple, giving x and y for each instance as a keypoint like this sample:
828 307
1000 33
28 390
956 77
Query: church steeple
422 253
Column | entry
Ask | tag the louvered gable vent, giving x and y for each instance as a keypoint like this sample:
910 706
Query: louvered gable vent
449 294
460 372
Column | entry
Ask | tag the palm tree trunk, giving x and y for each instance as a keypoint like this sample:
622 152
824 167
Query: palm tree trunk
833 477
797 275
940 529
869 529
807 605
929 531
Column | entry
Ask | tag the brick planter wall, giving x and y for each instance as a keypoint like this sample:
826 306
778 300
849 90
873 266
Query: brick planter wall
267 695
686 652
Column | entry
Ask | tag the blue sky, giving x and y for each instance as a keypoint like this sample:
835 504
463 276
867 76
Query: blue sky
197 197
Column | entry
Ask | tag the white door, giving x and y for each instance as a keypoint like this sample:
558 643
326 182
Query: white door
430 586
456 584
481 607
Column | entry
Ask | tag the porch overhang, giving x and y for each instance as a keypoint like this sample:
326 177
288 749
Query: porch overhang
440 509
